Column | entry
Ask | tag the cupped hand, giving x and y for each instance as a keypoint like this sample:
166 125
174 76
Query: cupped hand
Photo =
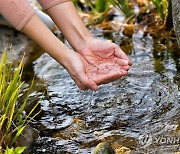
108 62
78 68
87 76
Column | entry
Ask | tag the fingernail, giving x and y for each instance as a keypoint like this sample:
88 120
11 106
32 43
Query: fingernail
130 62
95 87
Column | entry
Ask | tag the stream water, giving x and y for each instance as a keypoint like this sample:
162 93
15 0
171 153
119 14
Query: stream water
139 111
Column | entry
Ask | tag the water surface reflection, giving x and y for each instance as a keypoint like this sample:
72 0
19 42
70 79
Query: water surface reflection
146 102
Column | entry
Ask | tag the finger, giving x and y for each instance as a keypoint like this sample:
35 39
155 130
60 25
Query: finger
87 82
120 54
79 84
106 78
122 62
124 72
115 78
126 68
120 70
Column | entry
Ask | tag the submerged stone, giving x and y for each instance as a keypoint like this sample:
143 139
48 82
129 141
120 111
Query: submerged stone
27 138
103 148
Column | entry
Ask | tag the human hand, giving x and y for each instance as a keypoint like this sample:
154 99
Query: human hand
108 61
88 73
78 68
87 76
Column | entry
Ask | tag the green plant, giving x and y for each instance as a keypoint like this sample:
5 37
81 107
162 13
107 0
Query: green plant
98 6
162 8
123 6
76 4
12 117
17 150
101 5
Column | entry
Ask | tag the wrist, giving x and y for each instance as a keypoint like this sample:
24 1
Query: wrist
81 43
62 56
73 27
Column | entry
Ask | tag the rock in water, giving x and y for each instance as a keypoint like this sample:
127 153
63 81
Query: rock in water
176 18
27 138
103 148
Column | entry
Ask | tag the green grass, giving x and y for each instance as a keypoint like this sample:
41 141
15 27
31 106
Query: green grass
101 5
17 150
162 8
12 117
123 6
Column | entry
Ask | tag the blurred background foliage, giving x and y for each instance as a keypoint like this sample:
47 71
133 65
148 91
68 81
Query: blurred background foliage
132 10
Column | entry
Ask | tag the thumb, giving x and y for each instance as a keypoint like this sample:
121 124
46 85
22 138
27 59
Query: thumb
120 54
87 82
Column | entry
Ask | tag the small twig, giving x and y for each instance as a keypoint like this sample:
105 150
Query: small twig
50 103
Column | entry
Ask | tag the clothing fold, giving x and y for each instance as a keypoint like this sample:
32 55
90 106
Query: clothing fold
46 4
19 12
